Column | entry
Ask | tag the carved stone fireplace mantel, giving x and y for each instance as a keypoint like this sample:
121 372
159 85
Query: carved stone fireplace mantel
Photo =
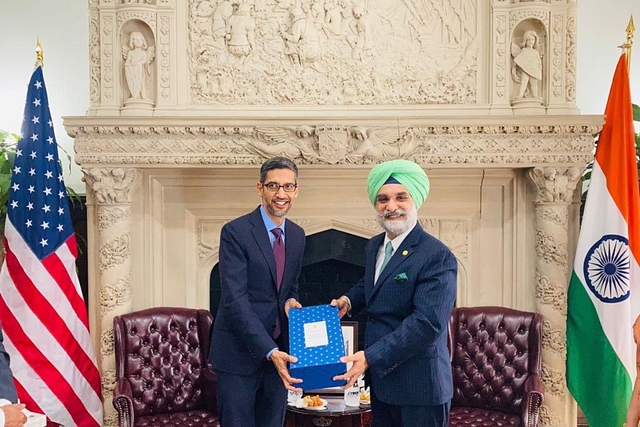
189 97
160 189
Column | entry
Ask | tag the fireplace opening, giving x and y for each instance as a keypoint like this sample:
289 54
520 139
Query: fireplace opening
333 262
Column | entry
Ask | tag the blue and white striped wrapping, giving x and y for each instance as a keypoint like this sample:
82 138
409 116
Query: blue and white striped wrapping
316 365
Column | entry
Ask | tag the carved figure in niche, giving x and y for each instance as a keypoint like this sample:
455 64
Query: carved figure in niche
241 32
302 42
137 56
527 65
361 41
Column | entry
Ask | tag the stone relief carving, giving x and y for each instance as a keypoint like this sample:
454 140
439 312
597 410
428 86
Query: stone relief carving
209 237
570 63
548 418
555 184
94 58
163 56
551 293
500 55
115 295
106 342
115 252
549 250
332 52
138 55
526 68
556 215
553 339
495 144
107 56
138 1
553 380
111 185
109 217
147 17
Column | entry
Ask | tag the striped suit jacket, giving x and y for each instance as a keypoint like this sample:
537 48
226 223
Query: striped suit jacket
408 312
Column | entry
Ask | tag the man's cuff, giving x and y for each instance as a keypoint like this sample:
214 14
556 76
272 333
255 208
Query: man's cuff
270 353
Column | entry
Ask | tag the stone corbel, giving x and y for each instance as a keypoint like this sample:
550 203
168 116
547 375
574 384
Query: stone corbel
111 185
554 184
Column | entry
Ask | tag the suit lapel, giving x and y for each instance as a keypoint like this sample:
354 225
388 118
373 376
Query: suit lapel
261 237
401 254
370 265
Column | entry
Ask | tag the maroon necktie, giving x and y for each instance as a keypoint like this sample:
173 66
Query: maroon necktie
278 253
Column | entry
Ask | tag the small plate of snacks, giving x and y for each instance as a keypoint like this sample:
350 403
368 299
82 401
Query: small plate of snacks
312 403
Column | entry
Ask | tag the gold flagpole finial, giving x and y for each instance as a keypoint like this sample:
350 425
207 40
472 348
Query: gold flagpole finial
39 54
628 44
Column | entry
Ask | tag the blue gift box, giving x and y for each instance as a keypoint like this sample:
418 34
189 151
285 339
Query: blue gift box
315 338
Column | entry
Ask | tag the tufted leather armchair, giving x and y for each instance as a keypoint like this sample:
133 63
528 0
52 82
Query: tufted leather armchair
496 362
162 376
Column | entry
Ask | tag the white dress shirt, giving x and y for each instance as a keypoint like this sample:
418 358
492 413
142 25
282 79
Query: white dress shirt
3 402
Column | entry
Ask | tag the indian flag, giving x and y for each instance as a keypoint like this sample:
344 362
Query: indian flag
604 299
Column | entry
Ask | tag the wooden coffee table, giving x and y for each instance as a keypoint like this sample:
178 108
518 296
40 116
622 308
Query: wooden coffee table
336 415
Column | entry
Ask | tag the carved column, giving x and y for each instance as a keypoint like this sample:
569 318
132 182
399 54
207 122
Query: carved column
554 212
112 189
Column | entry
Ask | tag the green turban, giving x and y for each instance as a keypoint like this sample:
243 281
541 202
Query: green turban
407 173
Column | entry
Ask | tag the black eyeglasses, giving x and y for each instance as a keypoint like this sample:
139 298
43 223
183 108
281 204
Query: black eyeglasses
274 187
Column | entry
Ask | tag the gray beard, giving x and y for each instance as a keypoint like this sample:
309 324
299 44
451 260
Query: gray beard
396 227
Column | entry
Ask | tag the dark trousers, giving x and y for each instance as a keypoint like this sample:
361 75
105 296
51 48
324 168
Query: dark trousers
257 400
386 415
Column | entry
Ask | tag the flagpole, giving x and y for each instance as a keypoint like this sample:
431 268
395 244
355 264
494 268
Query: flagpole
40 54
628 44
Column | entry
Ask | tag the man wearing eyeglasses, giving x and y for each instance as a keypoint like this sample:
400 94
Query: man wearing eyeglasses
260 259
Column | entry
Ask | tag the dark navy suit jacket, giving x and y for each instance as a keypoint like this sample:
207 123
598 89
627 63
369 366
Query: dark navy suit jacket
246 318
7 389
408 312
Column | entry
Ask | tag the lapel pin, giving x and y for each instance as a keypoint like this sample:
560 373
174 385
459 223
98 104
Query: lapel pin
405 253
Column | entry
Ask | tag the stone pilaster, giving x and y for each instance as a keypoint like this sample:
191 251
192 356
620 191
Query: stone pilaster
111 190
554 208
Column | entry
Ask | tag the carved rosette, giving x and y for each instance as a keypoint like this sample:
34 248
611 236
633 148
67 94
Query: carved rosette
553 206
111 189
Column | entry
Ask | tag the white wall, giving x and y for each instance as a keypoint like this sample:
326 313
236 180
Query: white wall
62 26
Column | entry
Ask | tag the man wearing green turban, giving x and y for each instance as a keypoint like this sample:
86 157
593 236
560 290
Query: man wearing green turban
407 173
408 290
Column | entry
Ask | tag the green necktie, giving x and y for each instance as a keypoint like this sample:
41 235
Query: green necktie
388 251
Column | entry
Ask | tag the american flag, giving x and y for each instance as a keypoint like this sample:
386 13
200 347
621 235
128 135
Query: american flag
42 310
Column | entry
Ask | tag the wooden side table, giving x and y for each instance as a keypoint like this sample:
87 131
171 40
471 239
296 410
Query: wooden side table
337 414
